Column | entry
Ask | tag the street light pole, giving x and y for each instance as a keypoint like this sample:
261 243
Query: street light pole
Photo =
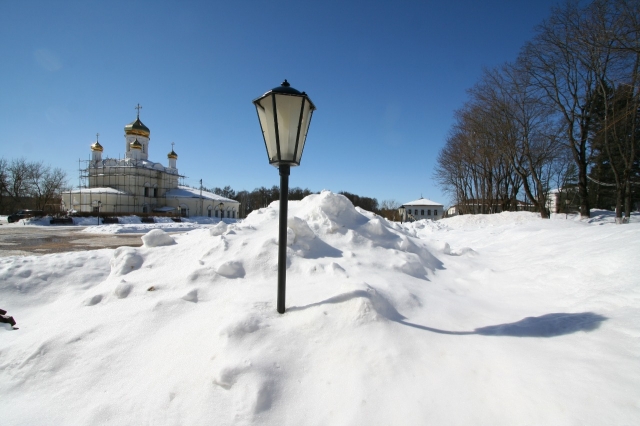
284 114
284 170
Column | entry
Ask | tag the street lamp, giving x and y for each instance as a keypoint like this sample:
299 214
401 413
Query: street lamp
401 210
99 205
284 115
220 207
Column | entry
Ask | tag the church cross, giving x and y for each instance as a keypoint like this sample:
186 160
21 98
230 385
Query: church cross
138 108
97 135
172 144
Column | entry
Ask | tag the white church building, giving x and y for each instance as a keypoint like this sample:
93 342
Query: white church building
135 184
421 209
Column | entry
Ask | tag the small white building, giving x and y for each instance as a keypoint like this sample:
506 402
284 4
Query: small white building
421 209
135 184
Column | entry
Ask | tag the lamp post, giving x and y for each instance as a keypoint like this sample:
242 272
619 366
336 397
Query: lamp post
401 210
285 115
220 207
99 205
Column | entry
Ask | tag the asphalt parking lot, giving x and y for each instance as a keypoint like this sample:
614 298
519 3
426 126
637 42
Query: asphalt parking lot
17 240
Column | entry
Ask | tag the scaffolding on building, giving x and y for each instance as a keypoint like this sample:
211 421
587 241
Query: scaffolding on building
131 186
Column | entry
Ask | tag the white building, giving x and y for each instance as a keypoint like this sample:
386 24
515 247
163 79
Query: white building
135 184
421 209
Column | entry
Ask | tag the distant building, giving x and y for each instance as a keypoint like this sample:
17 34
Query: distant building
421 209
563 200
135 184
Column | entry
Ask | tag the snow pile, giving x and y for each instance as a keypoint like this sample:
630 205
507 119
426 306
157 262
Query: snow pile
470 320
157 238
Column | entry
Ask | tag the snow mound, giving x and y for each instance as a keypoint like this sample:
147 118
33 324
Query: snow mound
474 221
157 238
125 260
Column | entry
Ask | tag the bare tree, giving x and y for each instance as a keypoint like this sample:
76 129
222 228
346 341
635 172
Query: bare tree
29 184
46 184
615 26
522 127
389 209
571 55
18 180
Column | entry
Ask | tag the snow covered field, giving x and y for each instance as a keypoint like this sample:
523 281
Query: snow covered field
475 320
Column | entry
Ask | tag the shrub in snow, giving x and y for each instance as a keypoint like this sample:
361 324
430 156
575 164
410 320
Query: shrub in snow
157 238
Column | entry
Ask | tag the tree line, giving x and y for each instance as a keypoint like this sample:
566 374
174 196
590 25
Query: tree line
565 114
261 197
30 185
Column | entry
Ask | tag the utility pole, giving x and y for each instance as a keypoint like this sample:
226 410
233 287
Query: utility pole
201 206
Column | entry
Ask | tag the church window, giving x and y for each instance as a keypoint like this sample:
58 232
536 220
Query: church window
422 212
155 192
428 212
435 212
146 191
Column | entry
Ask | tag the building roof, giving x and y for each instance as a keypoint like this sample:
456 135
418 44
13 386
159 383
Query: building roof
423 202
103 190
187 192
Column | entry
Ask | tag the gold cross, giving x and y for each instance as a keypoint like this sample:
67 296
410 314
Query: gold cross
138 108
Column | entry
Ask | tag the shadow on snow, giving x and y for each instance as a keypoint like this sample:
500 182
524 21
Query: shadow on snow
549 325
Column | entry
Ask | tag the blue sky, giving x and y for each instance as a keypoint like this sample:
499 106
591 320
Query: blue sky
386 78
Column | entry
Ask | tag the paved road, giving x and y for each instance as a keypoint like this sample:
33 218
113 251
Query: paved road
18 240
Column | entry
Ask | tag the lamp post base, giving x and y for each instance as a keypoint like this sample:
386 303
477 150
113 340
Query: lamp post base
282 240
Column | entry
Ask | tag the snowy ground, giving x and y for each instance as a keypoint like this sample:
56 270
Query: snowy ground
128 224
475 320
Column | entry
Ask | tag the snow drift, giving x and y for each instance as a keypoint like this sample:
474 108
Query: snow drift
517 321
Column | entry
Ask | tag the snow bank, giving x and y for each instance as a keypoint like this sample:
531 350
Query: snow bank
473 320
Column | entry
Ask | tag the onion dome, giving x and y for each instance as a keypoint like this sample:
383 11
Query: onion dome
137 128
173 155
97 147
136 145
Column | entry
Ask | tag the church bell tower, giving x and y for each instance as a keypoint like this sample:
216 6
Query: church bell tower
137 132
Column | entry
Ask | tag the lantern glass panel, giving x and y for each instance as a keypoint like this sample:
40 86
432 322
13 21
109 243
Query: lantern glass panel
264 107
304 128
288 108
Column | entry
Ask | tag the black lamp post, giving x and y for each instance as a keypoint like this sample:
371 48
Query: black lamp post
284 115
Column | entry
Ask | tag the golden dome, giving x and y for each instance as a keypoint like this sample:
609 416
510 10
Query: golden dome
97 147
172 154
137 128
136 145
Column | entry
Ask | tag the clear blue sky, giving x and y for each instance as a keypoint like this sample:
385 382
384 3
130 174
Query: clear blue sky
386 78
